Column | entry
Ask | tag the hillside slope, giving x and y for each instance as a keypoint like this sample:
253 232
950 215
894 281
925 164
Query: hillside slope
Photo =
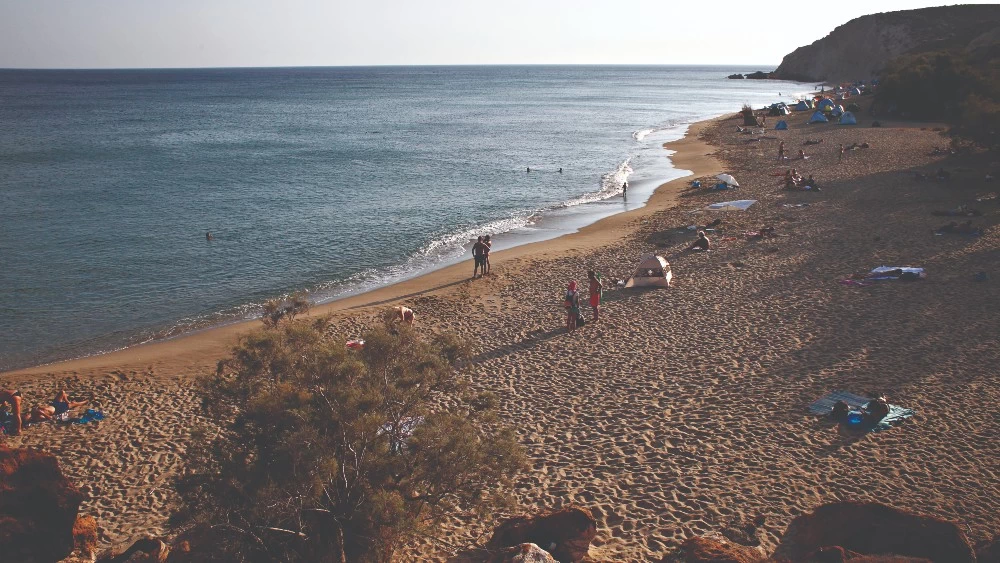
860 48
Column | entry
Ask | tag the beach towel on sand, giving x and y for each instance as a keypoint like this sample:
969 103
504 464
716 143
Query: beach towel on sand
90 416
823 405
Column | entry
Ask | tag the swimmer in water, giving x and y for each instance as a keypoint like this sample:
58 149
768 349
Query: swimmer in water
208 235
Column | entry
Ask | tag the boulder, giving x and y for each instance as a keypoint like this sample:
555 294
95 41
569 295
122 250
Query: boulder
874 529
837 554
146 549
38 506
566 533
989 551
712 550
526 553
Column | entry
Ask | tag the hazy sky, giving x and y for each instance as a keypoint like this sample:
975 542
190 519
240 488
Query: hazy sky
219 33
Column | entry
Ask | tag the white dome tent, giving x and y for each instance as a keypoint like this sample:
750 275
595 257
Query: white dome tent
652 271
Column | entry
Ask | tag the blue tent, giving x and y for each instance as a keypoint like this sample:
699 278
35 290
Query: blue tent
801 106
848 119
818 117
781 126
856 92
825 102
837 111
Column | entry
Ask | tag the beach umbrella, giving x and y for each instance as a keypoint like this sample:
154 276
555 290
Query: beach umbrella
728 179
737 205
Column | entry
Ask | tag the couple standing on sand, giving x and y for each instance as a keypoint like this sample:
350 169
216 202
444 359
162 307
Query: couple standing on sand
481 256
572 301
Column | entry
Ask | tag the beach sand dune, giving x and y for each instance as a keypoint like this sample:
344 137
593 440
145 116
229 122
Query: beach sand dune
684 410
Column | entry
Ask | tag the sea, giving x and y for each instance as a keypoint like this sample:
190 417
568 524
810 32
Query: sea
330 181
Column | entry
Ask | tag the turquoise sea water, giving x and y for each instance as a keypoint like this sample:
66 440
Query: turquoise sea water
331 180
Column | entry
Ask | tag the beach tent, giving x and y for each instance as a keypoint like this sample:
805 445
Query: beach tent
738 205
825 102
801 106
848 119
837 111
652 271
818 117
782 125
728 179
856 91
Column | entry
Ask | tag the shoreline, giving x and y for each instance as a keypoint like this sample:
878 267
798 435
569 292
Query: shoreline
200 349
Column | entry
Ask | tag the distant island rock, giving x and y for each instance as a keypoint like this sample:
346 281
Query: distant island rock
861 48
755 75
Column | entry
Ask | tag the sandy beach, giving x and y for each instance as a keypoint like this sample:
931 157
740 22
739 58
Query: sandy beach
683 411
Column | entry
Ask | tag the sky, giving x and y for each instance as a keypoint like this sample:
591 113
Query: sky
230 33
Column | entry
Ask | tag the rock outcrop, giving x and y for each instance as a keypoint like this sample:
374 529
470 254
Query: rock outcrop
525 553
861 48
38 507
705 550
566 533
874 529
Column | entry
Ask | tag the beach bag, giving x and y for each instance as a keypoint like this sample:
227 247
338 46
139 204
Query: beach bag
580 321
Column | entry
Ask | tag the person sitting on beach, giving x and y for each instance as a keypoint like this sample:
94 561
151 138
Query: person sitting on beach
59 407
702 243
802 155
839 411
875 410
403 315
13 398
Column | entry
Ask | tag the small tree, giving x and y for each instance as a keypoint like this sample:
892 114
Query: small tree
277 309
326 454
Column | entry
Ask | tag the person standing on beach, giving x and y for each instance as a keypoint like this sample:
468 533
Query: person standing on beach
841 158
781 151
477 257
625 188
596 288
488 244
13 398
572 304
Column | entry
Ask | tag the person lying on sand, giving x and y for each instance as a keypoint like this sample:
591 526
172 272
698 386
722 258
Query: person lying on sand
875 410
702 243
763 233
55 409
965 228
812 142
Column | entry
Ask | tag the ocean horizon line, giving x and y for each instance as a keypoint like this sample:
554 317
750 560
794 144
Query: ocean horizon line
390 66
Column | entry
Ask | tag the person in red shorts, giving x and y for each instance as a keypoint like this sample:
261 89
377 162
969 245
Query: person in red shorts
596 287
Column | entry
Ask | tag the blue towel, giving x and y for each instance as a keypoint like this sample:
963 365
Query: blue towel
823 405
90 416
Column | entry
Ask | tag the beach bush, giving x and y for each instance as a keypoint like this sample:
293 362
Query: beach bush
950 86
277 310
320 453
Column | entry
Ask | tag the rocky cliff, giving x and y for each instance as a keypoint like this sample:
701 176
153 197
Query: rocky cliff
860 49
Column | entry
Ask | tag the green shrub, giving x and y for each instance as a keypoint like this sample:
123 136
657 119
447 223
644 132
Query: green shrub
327 454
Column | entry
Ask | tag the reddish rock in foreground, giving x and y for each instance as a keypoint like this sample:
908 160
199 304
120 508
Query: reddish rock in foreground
874 529
708 550
566 534
38 506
